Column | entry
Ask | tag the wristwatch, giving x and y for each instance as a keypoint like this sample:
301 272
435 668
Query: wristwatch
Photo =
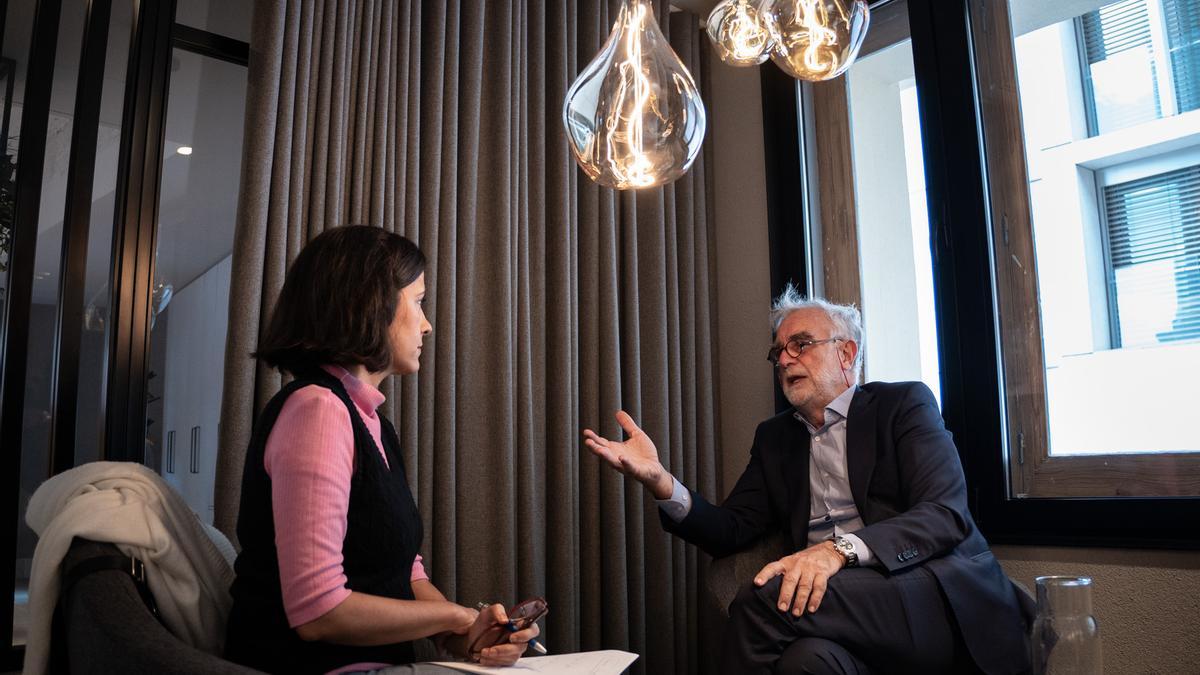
846 548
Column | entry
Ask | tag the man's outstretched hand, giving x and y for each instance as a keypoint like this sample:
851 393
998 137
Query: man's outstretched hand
636 457
805 577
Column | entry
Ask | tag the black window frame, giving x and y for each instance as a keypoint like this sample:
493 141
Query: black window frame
968 333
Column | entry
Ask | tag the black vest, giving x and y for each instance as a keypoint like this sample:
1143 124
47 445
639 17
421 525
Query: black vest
383 535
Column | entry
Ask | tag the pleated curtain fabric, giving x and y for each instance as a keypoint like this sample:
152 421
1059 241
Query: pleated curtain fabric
554 301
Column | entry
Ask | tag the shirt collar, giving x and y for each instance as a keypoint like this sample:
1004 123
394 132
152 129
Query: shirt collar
365 396
840 407
841 404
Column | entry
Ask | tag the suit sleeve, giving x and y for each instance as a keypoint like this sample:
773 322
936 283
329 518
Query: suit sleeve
931 482
737 522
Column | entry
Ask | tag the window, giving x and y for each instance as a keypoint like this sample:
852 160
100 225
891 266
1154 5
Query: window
1182 18
1072 413
1139 61
1093 241
1153 237
893 223
1112 227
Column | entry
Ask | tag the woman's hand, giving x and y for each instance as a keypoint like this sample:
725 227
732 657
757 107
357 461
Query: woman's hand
505 653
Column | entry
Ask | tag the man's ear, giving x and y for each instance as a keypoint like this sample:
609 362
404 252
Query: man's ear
849 353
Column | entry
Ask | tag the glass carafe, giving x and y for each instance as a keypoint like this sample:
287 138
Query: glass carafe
1066 639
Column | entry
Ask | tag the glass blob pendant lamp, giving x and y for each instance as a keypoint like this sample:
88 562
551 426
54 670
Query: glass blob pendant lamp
815 39
739 33
634 117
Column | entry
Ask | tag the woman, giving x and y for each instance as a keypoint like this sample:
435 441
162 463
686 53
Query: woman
328 579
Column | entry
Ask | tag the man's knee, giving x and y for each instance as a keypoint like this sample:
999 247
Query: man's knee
755 599
816 656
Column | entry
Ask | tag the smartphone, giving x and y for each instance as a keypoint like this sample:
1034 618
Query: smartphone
520 616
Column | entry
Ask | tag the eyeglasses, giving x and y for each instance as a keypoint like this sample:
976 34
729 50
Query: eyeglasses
795 347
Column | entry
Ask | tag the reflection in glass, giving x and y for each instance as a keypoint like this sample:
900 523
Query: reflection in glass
43 312
229 18
93 344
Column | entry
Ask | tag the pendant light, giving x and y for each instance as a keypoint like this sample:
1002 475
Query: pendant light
815 39
634 117
739 33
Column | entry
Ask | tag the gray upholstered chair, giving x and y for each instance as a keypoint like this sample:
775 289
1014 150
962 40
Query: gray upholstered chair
104 626
727 575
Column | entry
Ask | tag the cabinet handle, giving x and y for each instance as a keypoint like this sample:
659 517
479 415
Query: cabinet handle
195 459
170 451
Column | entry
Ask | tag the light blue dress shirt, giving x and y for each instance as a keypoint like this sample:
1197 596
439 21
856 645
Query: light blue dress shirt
832 508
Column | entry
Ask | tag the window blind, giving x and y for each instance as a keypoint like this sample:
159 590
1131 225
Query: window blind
1182 18
1115 28
1120 70
1154 252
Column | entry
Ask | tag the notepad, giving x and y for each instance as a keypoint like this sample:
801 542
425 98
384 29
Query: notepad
605 662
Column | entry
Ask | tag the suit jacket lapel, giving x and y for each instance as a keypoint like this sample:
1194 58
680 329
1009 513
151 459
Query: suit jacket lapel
796 475
860 447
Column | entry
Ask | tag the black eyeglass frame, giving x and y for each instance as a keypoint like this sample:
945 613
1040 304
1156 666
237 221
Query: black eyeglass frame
800 346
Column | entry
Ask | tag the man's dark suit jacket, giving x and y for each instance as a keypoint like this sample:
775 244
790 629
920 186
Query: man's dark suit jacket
908 485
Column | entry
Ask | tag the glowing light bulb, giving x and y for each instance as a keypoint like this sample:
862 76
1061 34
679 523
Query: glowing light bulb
815 39
634 117
739 33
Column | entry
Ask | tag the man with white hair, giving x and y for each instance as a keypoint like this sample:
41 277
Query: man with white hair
890 573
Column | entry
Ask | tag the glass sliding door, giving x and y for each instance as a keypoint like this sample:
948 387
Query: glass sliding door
90 141
189 309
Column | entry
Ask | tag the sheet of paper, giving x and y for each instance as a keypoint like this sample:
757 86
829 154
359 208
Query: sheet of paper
606 662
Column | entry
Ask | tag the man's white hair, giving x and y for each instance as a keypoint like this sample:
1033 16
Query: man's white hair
847 320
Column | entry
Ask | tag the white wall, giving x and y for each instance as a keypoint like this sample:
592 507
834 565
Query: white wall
198 316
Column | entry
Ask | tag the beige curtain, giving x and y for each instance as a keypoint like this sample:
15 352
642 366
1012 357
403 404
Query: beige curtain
553 301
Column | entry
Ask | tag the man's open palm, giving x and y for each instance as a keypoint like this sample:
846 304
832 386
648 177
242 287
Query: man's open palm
636 457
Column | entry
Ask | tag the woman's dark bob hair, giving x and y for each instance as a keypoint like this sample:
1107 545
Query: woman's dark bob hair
339 299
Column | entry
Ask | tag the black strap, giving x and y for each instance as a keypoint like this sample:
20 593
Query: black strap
123 563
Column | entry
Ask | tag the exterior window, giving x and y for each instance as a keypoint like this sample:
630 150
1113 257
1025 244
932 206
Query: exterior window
1139 60
1098 290
1154 247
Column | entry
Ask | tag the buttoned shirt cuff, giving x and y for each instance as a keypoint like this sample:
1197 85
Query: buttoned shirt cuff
679 504
865 557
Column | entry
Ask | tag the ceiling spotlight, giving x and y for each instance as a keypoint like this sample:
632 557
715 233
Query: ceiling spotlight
184 150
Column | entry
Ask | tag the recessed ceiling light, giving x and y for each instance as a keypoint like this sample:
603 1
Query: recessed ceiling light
184 150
